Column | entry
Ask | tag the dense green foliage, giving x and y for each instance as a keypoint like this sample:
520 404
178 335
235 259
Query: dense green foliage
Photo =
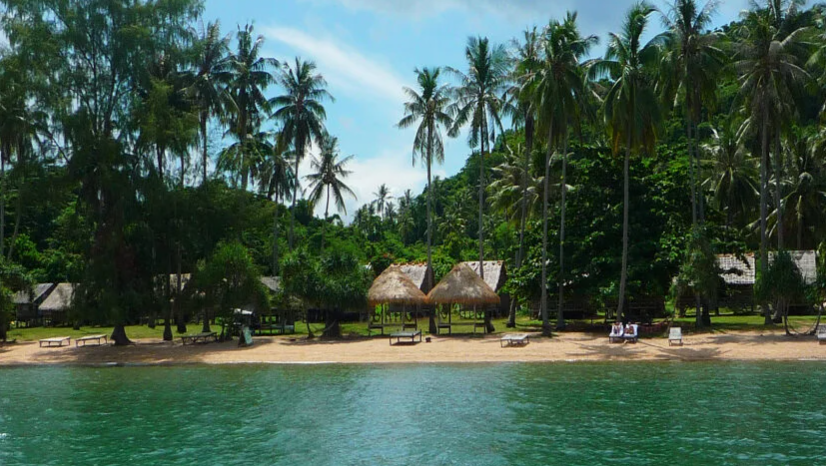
110 179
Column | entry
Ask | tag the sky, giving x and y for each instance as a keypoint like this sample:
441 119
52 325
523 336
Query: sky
367 51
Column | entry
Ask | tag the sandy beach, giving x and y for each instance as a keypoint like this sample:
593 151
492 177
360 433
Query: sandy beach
768 345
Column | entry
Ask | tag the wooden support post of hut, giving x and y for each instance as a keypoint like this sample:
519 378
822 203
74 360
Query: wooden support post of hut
463 287
392 291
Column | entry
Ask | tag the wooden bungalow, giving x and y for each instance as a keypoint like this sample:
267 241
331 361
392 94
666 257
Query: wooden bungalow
26 304
495 277
54 309
395 301
464 293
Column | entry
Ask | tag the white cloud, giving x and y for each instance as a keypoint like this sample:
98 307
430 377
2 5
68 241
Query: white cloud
344 67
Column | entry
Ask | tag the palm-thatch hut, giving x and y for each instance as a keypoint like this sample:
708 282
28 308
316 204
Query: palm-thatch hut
55 307
26 303
418 273
395 296
462 287
495 276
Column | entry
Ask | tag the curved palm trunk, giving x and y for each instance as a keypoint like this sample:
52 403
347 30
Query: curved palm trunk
560 313
428 275
764 243
543 299
625 204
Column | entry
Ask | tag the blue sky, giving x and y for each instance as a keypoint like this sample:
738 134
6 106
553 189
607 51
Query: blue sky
367 50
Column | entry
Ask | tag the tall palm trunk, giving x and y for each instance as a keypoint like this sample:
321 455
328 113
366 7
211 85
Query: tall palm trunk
626 200
2 202
701 199
543 299
428 272
691 176
485 142
204 156
778 187
299 155
275 237
326 214
764 242
520 255
17 215
560 313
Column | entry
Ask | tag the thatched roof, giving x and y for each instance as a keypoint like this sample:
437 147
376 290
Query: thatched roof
417 274
37 293
494 273
737 271
272 283
393 287
462 286
58 300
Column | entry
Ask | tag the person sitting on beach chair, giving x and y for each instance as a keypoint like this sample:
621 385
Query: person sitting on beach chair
616 333
630 332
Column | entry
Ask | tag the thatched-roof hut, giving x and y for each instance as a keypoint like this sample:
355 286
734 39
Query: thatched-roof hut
495 277
464 287
395 295
53 309
393 287
26 303
272 283
417 273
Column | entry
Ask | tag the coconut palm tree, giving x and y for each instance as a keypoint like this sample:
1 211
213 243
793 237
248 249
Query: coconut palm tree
732 174
527 63
428 107
250 77
276 180
210 77
480 104
767 61
690 67
301 113
560 92
807 187
382 197
507 192
328 178
630 108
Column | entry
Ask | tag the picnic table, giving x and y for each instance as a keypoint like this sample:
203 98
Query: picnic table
90 338
400 335
202 337
58 340
514 340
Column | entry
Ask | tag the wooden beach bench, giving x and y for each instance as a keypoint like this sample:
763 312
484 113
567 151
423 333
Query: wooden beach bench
404 335
514 340
675 336
87 339
204 337
56 340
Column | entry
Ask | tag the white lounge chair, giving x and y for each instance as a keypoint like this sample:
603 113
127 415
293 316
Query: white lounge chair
821 334
675 336
633 335
616 336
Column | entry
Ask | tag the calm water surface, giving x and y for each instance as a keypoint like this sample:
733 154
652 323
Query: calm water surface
520 414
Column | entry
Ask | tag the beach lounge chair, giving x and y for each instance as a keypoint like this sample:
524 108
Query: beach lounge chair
633 335
821 334
616 335
675 336
58 341
520 339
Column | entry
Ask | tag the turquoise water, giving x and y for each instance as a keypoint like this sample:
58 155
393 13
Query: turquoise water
521 414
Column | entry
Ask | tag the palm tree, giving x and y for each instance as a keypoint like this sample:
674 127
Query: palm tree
507 193
382 197
731 174
328 179
209 88
528 62
428 107
560 93
807 187
301 113
690 67
250 77
767 62
630 108
480 103
276 180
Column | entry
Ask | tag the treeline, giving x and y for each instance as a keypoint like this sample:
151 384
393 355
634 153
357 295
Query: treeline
137 142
